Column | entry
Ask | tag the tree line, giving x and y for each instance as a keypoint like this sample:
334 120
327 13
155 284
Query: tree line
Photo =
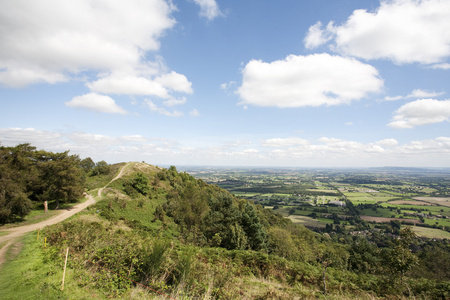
30 177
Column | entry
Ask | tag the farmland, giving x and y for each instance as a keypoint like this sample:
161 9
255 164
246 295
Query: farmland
344 198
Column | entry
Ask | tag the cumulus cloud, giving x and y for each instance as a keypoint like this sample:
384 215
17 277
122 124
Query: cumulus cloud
317 36
421 112
50 41
314 80
404 31
208 8
176 82
106 42
128 84
96 102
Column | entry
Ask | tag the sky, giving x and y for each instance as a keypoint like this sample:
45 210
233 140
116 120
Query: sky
285 83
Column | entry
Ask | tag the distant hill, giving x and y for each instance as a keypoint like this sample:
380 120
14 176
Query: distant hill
410 170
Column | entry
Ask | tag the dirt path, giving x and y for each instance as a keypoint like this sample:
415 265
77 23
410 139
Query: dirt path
19 231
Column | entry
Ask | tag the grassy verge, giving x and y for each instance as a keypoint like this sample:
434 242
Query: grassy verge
33 276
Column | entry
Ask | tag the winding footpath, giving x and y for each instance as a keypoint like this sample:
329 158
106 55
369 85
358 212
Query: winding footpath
19 231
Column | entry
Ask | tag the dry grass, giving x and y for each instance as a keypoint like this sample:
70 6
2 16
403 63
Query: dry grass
387 220
306 221
435 200
431 232
410 202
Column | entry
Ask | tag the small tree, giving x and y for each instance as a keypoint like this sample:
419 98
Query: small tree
401 259
101 168
87 164
140 184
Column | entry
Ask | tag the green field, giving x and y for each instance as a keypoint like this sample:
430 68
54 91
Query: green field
431 232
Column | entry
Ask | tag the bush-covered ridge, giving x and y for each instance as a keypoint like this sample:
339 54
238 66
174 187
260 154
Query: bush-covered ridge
185 238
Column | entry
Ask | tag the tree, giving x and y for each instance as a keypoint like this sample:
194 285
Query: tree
255 232
101 168
62 178
364 256
401 259
16 173
87 164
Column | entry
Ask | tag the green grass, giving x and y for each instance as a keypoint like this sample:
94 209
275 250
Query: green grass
33 276
431 232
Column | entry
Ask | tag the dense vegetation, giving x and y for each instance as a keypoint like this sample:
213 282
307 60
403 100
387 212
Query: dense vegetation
29 176
185 238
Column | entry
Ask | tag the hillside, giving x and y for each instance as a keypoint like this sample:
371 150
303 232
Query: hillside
158 233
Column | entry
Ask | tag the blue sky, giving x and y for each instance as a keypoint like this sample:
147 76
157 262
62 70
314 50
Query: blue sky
233 83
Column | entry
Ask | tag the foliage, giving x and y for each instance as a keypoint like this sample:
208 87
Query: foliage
27 174
187 239
101 168
401 259
61 176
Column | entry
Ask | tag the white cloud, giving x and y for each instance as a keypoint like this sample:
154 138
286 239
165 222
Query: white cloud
393 98
418 93
194 113
229 85
153 107
316 36
50 41
439 145
387 143
96 102
176 82
174 101
314 80
15 136
128 84
208 8
421 112
404 31
444 66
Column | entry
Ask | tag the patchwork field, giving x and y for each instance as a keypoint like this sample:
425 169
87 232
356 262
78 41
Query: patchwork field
316 198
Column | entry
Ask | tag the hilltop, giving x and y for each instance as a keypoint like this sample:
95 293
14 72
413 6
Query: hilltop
157 231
